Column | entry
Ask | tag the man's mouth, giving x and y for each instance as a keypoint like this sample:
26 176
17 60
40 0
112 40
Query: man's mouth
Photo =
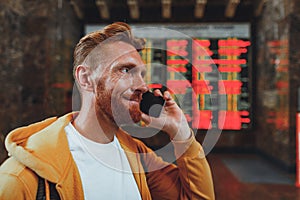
137 99
133 99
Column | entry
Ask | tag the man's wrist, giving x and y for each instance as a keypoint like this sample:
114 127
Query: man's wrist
180 137
182 134
188 148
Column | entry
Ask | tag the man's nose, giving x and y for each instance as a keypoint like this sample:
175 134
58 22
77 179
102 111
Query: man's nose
140 85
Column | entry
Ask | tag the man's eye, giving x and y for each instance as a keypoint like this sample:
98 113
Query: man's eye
125 70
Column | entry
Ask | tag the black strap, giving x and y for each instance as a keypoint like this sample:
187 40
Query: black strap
41 192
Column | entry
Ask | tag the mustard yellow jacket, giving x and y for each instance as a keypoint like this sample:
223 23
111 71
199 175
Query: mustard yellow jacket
42 148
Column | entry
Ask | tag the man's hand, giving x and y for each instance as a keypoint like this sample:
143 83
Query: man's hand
172 119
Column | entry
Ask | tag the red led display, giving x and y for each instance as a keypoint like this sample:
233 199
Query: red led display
235 52
177 69
204 59
230 69
233 42
202 119
230 87
178 86
202 87
230 62
177 62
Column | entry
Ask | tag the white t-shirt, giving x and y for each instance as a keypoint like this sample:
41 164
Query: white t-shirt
104 169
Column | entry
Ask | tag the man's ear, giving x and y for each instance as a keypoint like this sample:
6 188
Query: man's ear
83 78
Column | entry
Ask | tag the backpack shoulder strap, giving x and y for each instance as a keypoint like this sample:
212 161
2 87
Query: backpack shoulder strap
41 191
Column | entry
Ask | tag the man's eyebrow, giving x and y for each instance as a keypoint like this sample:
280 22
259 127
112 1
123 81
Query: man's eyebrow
129 65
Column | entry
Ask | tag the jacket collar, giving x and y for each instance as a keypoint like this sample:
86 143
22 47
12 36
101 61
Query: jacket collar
42 147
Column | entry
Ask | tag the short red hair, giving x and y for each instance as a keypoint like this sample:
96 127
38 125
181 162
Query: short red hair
118 31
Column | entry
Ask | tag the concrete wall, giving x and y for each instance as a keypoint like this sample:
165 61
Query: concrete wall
277 78
37 39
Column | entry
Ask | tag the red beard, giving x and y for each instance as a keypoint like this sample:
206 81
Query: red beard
110 107
135 113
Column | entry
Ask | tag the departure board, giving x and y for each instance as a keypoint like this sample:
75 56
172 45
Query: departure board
205 66
200 71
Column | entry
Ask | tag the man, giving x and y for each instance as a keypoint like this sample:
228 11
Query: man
87 155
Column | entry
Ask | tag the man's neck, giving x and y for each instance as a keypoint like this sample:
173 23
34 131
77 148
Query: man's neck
98 130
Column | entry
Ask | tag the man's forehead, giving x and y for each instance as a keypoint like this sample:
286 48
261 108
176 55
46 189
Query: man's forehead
108 52
112 54
119 51
118 48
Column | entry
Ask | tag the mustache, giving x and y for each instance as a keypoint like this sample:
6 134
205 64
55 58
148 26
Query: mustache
136 96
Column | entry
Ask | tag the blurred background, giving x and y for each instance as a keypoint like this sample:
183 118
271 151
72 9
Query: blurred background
252 45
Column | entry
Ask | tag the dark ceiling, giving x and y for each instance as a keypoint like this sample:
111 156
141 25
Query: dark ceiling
180 11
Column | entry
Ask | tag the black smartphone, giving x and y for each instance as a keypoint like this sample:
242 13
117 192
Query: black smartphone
152 105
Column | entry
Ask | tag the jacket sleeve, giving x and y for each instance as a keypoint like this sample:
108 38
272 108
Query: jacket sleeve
189 179
16 181
12 188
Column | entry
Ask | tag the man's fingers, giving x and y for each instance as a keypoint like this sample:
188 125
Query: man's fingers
153 122
157 93
146 119
169 99
167 96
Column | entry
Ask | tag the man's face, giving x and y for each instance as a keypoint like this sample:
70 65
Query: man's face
120 84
